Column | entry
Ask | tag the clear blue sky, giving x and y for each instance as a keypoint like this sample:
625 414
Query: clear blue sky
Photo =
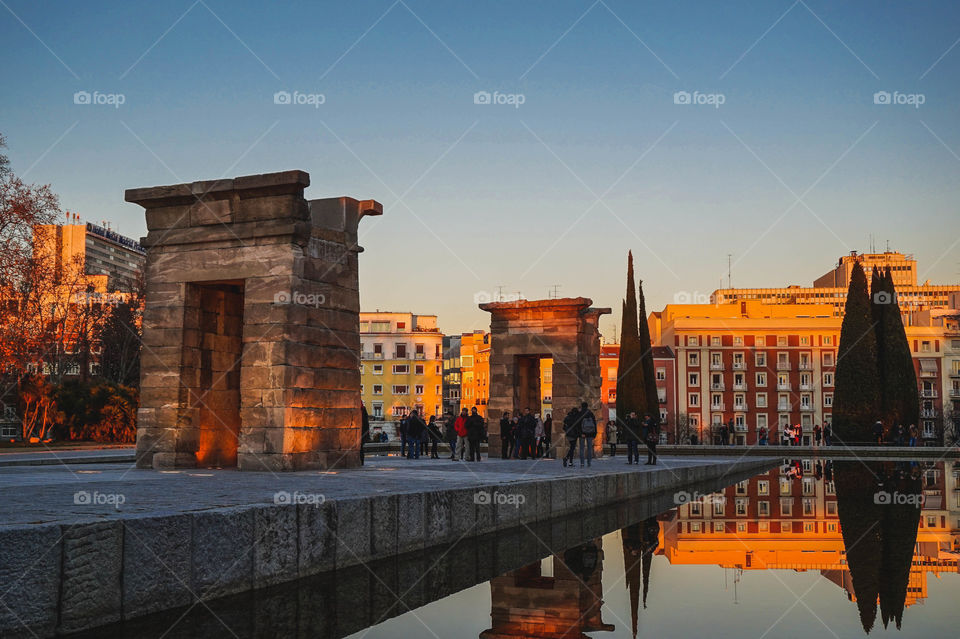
479 195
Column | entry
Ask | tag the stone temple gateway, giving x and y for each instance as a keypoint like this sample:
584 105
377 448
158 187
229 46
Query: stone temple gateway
251 325
524 332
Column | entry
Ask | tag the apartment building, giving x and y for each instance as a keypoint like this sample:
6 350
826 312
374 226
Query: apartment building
831 287
401 364
451 374
665 370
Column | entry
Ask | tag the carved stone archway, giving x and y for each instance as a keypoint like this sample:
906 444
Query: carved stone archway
524 332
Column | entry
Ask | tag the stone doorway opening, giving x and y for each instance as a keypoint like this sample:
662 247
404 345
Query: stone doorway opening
526 389
213 347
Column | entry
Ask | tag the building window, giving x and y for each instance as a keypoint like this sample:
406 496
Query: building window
742 507
718 508
378 410
761 420
693 399
737 340
718 526
418 369
763 487
762 400
378 389
612 373
418 389
760 359
694 379
378 369
661 374
693 359
762 379
786 507
692 340
828 379
401 389
828 399
715 341
828 359
401 369
763 510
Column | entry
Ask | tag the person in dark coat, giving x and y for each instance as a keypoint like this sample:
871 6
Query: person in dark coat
651 436
402 431
450 434
415 428
505 435
364 429
587 422
632 428
571 430
528 428
433 432
474 435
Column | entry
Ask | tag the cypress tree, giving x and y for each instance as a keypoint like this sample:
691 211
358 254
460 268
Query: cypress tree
857 386
631 393
649 375
898 379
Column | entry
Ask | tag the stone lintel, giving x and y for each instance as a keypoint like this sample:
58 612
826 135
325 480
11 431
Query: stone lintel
283 182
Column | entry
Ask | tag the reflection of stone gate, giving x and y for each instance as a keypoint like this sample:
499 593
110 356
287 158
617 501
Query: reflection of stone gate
524 332
251 326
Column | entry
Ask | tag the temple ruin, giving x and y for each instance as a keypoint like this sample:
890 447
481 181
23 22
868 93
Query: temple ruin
251 326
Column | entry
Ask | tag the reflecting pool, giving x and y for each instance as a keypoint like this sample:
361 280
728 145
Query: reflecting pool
810 548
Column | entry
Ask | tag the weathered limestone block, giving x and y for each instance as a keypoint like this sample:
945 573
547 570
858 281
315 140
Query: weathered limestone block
156 564
30 574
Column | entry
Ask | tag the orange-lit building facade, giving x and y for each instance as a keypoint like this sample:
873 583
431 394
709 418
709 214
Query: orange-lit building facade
831 287
475 371
665 369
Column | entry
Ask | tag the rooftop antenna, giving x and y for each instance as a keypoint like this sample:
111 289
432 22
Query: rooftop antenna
554 292
888 246
500 293
729 279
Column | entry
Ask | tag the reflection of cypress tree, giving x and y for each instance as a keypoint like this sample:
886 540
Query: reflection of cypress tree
899 532
631 393
859 516
898 380
649 376
856 395
632 537
651 539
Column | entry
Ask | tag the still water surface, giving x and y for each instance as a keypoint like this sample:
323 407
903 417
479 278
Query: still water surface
811 548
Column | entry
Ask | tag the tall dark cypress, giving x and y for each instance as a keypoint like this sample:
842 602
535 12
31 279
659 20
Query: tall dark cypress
631 393
898 379
649 375
856 403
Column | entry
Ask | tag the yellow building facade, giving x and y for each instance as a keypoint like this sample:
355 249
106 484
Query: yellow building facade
401 364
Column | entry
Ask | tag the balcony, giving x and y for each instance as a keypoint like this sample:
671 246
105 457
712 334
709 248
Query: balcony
955 373
716 366
924 373
739 387
740 407
955 392
807 408
806 366
739 366
367 355
784 407
784 387
717 387
806 387
928 412
419 356
716 407
783 366
928 394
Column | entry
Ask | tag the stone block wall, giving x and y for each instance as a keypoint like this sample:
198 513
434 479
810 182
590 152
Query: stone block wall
282 375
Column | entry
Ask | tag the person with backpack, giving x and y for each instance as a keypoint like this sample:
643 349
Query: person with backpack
571 430
588 432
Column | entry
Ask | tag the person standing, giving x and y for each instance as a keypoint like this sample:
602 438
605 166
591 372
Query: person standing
460 425
402 429
612 437
474 435
528 429
827 434
913 435
433 430
899 435
878 433
538 437
632 428
505 428
571 430
547 433
650 438
817 433
450 434
415 429
364 429
515 435
763 436
588 432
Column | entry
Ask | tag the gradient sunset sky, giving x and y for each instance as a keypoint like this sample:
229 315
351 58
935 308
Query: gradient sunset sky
796 167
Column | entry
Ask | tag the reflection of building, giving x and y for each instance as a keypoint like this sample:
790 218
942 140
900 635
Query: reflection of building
782 521
401 364
558 597
831 288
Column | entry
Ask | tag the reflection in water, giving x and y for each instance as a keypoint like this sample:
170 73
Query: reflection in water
560 596
862 525
640 541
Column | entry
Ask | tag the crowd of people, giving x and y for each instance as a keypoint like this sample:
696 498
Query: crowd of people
523 435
